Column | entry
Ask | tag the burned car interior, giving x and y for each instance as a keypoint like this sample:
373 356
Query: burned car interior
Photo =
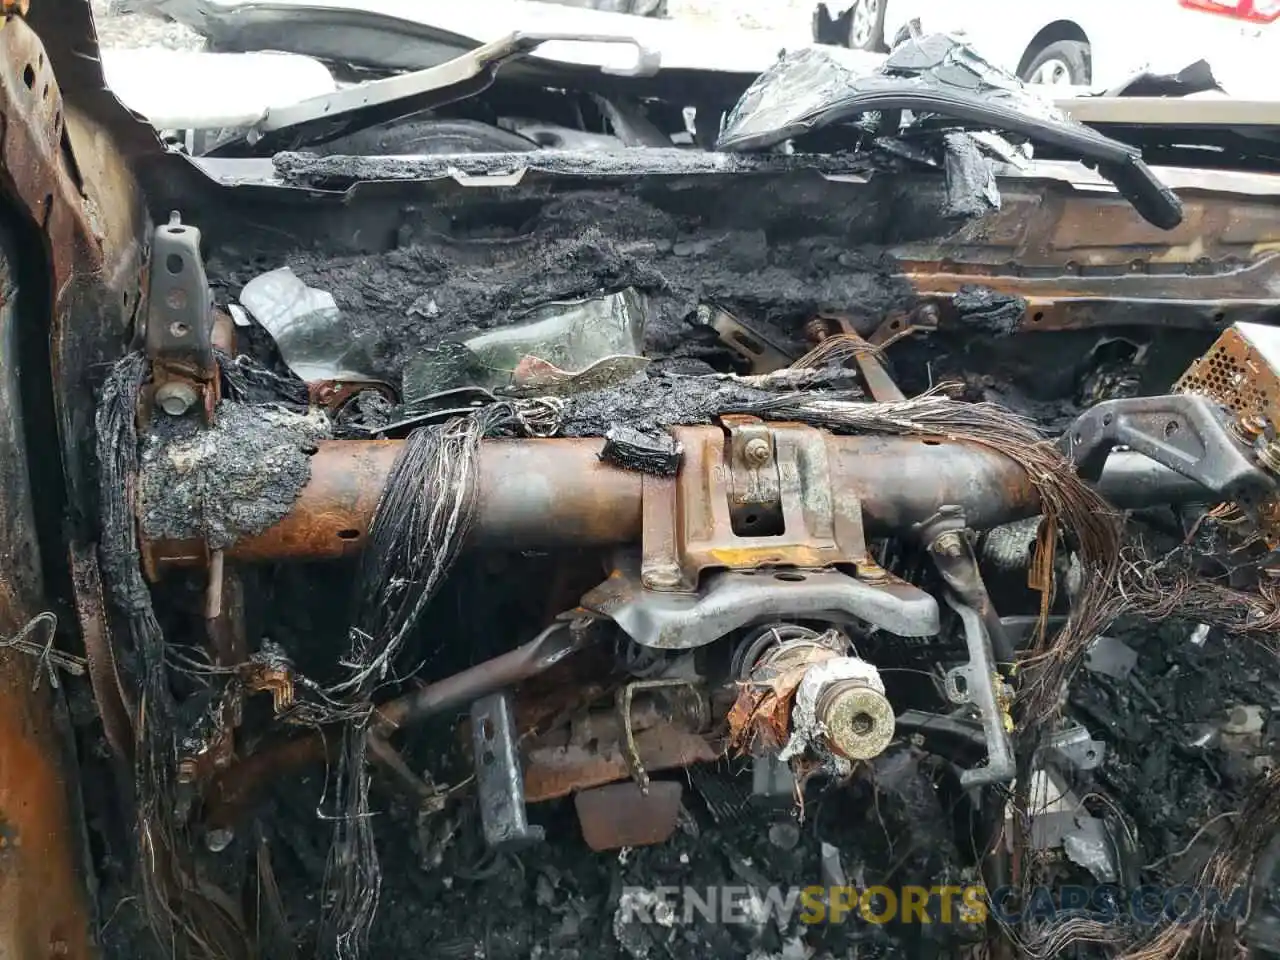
439 553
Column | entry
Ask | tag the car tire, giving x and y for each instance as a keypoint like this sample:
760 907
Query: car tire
1063 62
866 26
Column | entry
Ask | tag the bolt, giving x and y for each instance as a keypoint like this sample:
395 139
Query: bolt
819 329
757 451
870 570
1249 428
1269 456
660 578
176 398
949 545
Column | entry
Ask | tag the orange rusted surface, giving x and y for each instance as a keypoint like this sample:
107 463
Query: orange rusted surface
760 718
549 493
333 395
43 895
1241 371
43 910
1044 223
559 770
689 520
331 518
544 492
1189 300
622 815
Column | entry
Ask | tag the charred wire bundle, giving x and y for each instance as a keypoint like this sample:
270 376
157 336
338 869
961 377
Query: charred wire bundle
246 380
1230 868
423 517
179 907
1169 587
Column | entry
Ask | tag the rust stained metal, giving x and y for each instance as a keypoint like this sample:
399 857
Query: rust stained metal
899 323
559 769
621 815
753 346
235 791
43 901
1141 296
549 493
333 395
224 613
159 555
32 162
1084 259
43 898
760 718
1241 371
879 384
104 675
273 675
564 495
235 788
689 524
678 700
1044 224
551 647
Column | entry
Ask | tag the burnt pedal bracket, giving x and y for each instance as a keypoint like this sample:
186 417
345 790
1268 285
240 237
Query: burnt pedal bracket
180 307
179 318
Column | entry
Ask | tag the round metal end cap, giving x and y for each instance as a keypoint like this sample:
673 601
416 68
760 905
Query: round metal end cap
858 719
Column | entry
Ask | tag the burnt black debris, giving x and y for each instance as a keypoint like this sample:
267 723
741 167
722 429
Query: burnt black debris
971 181
228 481
652 403
981 308
655 452
442 280
333 171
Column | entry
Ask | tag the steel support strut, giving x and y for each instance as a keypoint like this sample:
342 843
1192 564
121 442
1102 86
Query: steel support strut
549 493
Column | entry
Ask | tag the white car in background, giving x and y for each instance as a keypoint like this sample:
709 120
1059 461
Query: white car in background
1094 43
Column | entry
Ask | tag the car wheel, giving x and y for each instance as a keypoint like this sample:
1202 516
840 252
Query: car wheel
1061 63
866 25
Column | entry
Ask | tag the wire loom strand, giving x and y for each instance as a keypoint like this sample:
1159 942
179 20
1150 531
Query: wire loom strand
422 519
179 907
